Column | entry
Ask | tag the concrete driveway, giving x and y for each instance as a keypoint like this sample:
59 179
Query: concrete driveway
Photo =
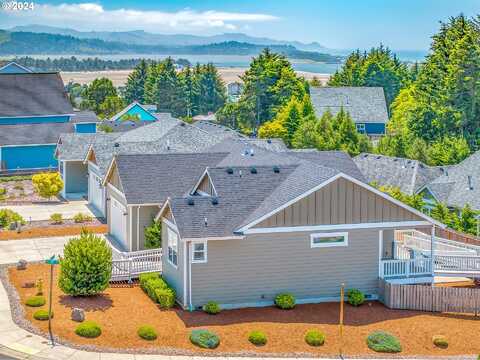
42 211
31 249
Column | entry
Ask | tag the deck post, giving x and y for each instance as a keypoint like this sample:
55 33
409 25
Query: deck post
380 253
432 251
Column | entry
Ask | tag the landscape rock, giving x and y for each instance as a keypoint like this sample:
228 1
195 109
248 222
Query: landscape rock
78 315
22 264
29 284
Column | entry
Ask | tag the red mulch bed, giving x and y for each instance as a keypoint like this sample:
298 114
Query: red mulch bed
121 310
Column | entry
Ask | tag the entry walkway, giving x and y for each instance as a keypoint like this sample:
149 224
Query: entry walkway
31 249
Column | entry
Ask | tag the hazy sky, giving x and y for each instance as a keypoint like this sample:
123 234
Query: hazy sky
400 24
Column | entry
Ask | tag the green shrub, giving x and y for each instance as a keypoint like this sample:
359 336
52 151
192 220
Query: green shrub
8 217
3 191
285 301
81 218
204 339
153 235
18 187
440 341
314 338
86 267
35 301
143 278
147 332
153 285
212 308
381 341
165 297
47 184
39 285
56 218
88 329
15 178
355 297
257 338
41 315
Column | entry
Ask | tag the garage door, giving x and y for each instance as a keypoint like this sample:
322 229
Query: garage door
95 192
118 223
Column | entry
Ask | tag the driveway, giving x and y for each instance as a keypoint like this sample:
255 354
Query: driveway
42 211
31 249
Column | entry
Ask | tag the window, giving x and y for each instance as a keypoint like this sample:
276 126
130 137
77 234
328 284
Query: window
329 239
172 247
199 252
361 128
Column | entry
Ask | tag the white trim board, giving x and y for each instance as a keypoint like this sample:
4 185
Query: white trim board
16 64
330 180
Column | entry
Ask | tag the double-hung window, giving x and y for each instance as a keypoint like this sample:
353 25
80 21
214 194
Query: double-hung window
199 252
329 239
172 247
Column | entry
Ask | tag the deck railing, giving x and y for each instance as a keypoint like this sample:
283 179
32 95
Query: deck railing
405 268
460 264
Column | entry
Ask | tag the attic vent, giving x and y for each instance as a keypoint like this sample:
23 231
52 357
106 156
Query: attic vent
230 171
182 124
240 173
116 144
214 201
205 220
251 152
269 141
190 201
470 183
379 157
276 169
253 170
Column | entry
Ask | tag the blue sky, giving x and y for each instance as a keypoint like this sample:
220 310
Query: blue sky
400 24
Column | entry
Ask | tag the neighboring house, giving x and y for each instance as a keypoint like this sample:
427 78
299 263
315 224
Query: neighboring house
234 90
366 105
144 113
14 68
34 111
245 233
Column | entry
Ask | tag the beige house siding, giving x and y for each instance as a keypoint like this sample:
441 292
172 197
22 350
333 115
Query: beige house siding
206 186
173 276
340 202
255 269
142 216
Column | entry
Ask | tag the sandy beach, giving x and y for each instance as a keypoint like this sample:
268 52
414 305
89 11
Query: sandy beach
119 77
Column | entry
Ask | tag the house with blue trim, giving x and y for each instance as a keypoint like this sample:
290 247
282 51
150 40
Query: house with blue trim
14 68
366 105
144 113
34 111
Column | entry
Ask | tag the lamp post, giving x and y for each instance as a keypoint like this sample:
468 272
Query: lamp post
340 325
52 261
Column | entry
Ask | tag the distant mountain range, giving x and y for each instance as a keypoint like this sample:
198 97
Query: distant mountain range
141 37
32 43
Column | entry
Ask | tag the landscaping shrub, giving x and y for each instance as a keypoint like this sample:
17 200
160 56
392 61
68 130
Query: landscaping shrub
56 218
41 315
35 301
143 278
381 341
212 308
151 285
355 297
8 217
147 332
3 191
153 235
285 301
165 297
314 338
257 338
15 178
86 267
440 341
18 187
88 329
81 218
204 339
47 184
39 286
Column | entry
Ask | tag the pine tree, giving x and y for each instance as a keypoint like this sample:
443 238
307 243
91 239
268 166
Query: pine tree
135 86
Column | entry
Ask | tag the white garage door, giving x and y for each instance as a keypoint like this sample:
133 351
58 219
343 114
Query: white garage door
118 223
95 192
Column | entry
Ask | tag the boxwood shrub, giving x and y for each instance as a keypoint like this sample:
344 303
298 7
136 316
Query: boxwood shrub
257 338
151 285
212 308
147 332
35 301
314 338
381 341
440 341
157 289
165 297
355 297
88 329
204 339
285 301
42 315
143 278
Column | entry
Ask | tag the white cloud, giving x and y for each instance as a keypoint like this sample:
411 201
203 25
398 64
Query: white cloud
92 16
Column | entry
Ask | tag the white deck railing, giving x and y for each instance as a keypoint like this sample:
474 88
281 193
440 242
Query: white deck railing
405 268
457 264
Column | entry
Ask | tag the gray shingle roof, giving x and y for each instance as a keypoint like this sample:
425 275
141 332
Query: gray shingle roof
162 175
84 116
33 94
217 129
33 133
364 104
406 174
74 146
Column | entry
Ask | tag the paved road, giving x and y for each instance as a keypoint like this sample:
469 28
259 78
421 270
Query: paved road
31 249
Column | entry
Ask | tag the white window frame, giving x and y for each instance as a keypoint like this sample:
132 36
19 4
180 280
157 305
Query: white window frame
327 235
205 252
172 247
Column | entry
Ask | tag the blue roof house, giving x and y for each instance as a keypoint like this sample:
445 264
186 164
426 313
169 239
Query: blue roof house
14 68
144 113
34 111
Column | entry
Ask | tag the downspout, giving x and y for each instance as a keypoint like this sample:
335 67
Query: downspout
190 277
138 227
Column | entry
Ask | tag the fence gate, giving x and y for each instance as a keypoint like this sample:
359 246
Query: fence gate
430 298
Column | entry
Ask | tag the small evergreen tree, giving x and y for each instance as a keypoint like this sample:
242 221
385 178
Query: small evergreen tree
153 235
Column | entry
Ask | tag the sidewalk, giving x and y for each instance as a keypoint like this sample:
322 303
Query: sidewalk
31 249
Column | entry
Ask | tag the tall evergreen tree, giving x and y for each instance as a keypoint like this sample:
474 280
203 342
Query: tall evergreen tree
135 86
212 88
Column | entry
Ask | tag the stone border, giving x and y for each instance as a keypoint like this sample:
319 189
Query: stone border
18 317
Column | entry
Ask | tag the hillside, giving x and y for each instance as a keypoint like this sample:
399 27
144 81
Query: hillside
27 43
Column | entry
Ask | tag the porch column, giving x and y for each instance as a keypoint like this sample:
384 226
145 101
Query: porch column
432 250
380 253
